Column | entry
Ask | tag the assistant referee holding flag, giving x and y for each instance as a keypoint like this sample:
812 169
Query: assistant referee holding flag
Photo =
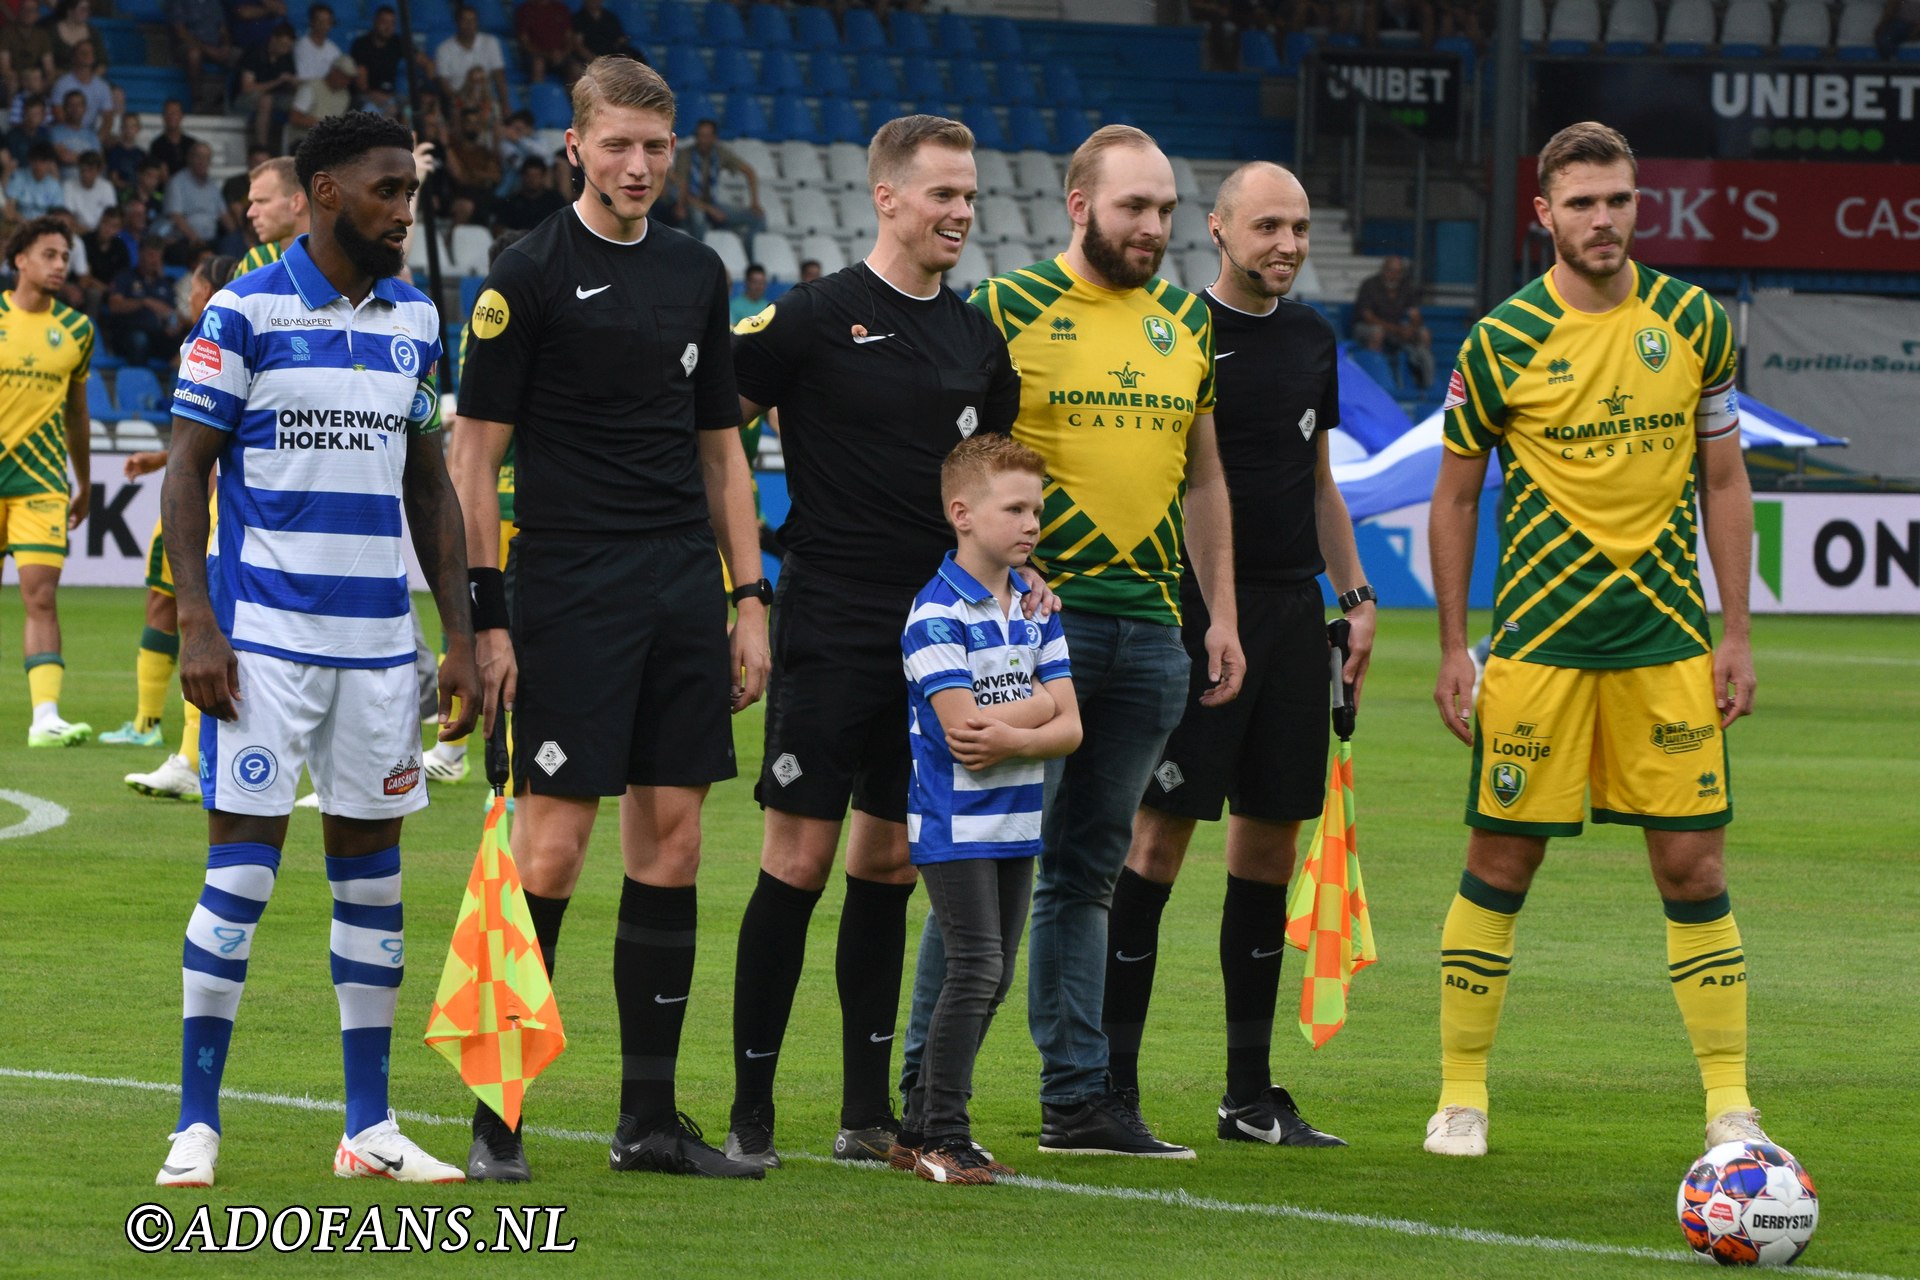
878 372
600 348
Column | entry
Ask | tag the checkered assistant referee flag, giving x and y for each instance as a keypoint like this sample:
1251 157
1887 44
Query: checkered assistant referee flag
494 1016
1327 907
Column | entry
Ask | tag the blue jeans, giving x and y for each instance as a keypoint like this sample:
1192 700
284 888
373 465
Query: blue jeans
1130 678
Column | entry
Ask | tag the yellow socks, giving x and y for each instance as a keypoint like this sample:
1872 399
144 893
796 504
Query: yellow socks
190 737
45 672
1476 955
153 672
1708 967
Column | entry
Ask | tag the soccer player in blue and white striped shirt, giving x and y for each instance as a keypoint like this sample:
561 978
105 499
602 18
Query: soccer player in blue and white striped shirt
991 696
309 382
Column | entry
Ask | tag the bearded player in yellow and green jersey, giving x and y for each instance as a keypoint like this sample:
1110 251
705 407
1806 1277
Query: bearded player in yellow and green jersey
46 352
1608 389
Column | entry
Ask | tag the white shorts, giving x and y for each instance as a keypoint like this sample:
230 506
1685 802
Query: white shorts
357 730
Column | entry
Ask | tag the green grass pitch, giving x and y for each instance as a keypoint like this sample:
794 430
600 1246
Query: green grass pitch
1596 1100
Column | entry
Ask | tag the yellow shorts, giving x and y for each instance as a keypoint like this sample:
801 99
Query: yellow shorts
33 529
159 572
1642 744
507 529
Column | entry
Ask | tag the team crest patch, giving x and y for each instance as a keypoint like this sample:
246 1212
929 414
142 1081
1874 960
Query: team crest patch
786 769
203 360
1456 392
1651 346
1307 421
55 335
755 322
690 357
406 356
1168 775
403 777
1507 782
1159 333
968 421
550 757
255 768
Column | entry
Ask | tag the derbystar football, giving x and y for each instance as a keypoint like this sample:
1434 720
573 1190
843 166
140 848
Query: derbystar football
1748 1204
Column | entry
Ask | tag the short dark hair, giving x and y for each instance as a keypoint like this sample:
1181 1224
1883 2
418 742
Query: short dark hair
33 98
809 262
285 29
520 116
385 8
501 243
753 267
704 121
44 225
92 157
533 162
320 6
70 95
1588 142
216 269
153 240
173 102
42 150
337 140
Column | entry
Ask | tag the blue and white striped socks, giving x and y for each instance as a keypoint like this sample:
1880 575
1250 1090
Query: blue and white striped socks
213 969
368 960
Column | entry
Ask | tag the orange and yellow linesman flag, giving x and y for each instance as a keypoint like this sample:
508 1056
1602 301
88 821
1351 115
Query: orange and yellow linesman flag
1327 909
494 1017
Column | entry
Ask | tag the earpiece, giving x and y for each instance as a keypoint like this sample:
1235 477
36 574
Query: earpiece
573 158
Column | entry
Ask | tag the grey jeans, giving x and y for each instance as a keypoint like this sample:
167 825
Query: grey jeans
982 907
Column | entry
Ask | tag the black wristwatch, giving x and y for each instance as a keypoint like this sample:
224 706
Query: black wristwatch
761 591
1351 600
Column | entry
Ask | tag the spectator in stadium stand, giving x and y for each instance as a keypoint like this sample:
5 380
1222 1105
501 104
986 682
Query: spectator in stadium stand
809 270
379 54
597 31
1467 19
70 138
32 82
24 44
140 217
1400 17
124 155
532 201
544 30
753 293
1386 318
252 22
84 78
174 142
474 101
89 194
108 253
697 170
470 47
315 100
265 91
199 33
31 129
519 143
315 52
195 212
141 318
35 188
71 26
1899 24
473 160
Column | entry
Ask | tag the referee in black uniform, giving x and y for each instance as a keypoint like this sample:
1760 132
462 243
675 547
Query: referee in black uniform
877 371
1266 751
599 346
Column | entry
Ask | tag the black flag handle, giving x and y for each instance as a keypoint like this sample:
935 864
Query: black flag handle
497 750
1339 637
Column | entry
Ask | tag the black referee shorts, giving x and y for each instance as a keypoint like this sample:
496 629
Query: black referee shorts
623 653
837 702
1266 751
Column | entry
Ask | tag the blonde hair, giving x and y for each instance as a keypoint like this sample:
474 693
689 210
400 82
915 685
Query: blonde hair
979 458
897 141
282 168
1085 164
1588 142
616 81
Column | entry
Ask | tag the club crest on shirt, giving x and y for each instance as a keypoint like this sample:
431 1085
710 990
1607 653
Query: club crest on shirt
968 421
1307 421
1159 333
690 357
406 356
1651 346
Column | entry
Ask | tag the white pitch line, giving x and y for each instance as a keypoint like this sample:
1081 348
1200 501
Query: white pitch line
1175 1199
42 815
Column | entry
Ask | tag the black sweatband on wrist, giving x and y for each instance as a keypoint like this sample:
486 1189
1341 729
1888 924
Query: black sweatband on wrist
489 589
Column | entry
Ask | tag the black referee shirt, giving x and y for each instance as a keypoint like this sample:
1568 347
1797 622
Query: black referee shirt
866 421
1276 387
605 358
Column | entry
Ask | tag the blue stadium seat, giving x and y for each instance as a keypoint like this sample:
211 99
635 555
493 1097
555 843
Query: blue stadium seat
874 78
910 32
732 69
814 29
767 26
724 26
744 118
839 122
1464 48
124 40
141 10
1061 85
1074 127
633 17
549 104
862 32
780 73
1000 38
686 69
969 80
100 400
920 76
693 107
986 127
1375 366
136 393
1015 84
674 23
935 107
1299 44
791 119
956 36
1027 130
827 75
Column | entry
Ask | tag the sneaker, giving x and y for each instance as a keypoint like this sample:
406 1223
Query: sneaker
874 1144
58 733
382 1151
1457 1131
1273 1118
173 780
496 1154
1736 1126
904 1154
676 1147
128 735
1105 1125
994 1167
444 766
196 1149
954 1160
750 1139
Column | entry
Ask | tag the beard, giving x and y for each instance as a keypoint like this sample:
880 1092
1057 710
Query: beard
1110 258
1572 253
375 257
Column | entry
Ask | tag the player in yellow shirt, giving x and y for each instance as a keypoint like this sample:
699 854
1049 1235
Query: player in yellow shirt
1608 389
277 208
46 352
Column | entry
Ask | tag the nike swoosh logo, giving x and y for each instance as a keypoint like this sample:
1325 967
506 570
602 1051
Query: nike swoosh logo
1218 356
1124 958
878 1038
584 294
1269 1134
768 1054
1258 954
167 1168
873 337
393 1165
664 1000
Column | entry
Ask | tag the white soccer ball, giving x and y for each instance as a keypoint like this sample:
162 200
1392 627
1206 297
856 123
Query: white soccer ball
1748 1204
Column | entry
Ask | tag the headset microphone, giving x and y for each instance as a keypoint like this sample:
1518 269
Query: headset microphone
573 158
1251 273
